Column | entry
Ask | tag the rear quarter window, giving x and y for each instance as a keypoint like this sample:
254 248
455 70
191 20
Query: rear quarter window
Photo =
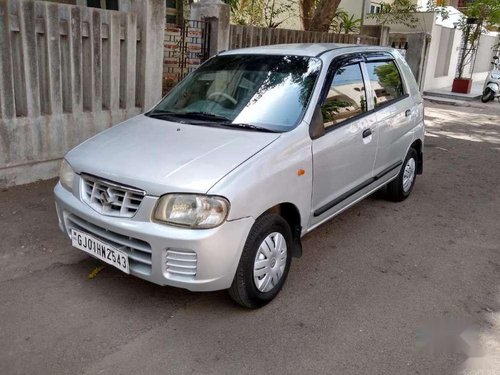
386 81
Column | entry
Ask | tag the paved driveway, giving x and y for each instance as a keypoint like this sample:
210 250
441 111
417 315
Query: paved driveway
360 301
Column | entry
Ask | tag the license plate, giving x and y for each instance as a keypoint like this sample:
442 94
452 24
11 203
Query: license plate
100 250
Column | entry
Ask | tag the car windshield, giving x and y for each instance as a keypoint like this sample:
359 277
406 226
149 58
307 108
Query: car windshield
256 92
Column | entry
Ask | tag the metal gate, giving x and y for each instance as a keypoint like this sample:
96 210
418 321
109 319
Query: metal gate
186 47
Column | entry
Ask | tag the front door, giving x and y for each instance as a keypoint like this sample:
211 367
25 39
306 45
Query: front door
344 156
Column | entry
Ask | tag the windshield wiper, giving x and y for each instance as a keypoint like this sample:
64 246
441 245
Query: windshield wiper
205 115
248 127
190 115
210 117
158 113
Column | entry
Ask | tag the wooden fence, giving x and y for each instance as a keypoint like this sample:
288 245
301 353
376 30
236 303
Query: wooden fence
67 72
242 36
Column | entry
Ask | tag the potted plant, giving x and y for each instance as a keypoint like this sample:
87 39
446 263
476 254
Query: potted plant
478 15
471 29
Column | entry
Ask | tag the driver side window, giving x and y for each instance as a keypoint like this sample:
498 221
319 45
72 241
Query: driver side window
346 96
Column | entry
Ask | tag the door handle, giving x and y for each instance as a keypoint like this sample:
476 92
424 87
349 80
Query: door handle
408 113
367 132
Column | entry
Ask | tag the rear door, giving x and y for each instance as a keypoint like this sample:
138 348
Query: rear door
395 111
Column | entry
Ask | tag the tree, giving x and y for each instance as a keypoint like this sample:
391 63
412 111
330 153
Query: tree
245 12
479 15
318 15
273 13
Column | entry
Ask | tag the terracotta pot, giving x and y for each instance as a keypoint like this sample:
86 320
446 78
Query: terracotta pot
462 85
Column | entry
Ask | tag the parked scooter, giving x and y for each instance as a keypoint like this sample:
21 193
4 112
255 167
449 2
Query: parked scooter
492 84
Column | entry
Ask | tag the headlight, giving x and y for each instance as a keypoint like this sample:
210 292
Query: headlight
495 76
66 175
192 211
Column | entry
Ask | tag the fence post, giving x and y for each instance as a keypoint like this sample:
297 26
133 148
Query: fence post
218 14
7 103
151 23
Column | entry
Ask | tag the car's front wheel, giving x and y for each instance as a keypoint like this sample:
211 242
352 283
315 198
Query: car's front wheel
264 263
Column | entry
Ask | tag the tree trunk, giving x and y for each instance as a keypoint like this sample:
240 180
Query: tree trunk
323 15
306 13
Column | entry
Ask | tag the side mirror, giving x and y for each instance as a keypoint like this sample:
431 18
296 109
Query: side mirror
495 57
317 127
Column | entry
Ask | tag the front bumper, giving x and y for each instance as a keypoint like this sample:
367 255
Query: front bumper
213 254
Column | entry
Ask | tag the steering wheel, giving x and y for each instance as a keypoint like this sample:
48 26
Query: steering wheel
223 94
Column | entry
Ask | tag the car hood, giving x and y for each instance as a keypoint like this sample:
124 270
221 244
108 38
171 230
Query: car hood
161 156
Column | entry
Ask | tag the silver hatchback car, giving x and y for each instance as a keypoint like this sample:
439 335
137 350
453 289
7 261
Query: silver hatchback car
214 187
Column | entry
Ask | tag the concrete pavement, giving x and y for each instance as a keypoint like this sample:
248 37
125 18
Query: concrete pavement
356 302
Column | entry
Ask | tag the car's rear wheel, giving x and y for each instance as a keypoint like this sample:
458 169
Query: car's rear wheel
264 263
400 188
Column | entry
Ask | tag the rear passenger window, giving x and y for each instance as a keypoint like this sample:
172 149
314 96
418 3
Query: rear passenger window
385 80
346 97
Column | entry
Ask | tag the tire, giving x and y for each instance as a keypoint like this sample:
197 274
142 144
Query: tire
400 188
244 289
488 95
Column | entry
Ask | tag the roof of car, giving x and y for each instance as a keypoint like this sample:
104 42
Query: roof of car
304 49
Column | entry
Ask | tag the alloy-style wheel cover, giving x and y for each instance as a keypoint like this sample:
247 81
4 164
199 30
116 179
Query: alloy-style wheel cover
270 262
409 174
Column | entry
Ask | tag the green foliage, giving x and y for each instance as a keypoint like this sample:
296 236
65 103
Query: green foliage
267 13
438 6
234 4
337 20
331 108
349 24
478 16
388 76
276 13
487 12
399 12
403 12
245 12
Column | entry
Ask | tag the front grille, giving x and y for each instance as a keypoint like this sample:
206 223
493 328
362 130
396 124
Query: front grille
138 251
109 198
181 262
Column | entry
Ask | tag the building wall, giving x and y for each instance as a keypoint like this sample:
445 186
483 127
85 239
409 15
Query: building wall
442 57
486 50
443 54
447 44
425 23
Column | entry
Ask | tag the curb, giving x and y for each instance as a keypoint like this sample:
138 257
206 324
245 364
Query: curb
456 103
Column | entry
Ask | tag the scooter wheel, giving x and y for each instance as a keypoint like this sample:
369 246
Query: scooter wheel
488 95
